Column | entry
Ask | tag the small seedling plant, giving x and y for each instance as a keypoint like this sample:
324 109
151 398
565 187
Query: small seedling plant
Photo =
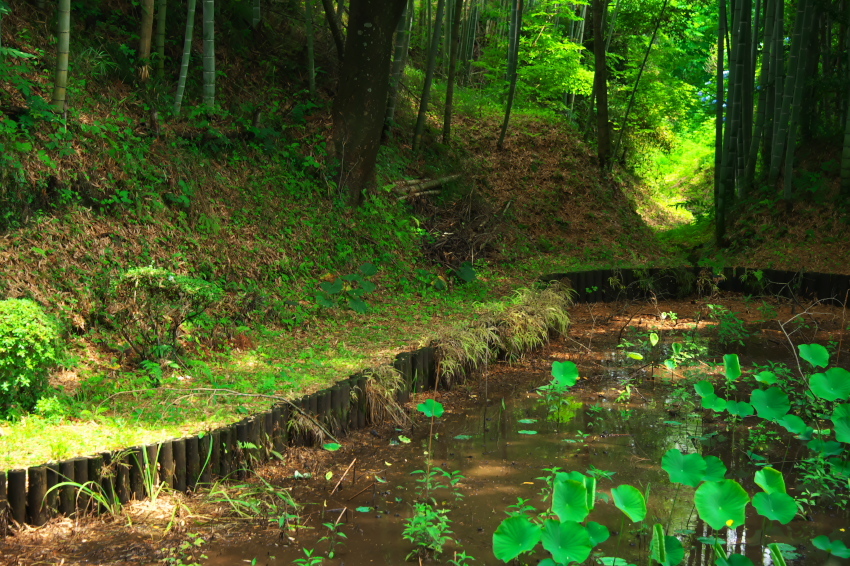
348 290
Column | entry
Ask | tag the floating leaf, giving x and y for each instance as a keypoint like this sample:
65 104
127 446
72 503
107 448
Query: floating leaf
815 354
721 503
363 509
825 447
514 536
403 439
715 469
666 550
598 533
564 374
834 547
733 366
775 506
842 429
771 403
527 421
770 480
331 446
299 476
569 500
832 385
462 437
704 388
431 408
653 339
613 561
688 469
527 431
793 424
739 408
766 377
566 541
630 501
713 402
328 476
368 269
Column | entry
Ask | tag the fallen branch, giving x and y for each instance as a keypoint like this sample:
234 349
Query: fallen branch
343 476
419 185
419 194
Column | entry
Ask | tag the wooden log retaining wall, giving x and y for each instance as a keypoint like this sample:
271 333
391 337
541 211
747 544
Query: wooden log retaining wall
233 450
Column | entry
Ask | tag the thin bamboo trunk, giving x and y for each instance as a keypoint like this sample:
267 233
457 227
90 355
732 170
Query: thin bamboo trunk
781 132
63 31
797 100
450 86
402 46
145 35
845 155
311 59
600 87
429 76
161 7
719 146
624 125
335 27
758 129
187 54
513 59
209 54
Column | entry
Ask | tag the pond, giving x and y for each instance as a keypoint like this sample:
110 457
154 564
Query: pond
503 441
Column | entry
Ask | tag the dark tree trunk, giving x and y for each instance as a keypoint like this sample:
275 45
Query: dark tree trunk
600 86
361 101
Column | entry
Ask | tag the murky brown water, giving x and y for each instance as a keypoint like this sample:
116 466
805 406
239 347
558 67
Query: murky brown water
501 464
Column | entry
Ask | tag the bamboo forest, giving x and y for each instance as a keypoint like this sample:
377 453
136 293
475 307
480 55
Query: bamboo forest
467 282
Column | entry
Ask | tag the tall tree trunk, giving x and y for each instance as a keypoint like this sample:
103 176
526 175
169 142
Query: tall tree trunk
450 86
311 60
161 7
845 155
625 123
63 32
429 76
719 149
780 137
335 27
758 129
209 54
145 35
256 14
800 77
402 44
600 87
187 54
360 105
513 63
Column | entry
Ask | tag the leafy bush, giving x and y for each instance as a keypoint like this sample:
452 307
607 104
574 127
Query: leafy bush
28 341
150 305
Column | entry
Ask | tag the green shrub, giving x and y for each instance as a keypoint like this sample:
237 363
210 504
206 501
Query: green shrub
28 343
149 305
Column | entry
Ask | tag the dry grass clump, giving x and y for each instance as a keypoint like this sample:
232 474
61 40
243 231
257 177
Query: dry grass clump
382 385
517 326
